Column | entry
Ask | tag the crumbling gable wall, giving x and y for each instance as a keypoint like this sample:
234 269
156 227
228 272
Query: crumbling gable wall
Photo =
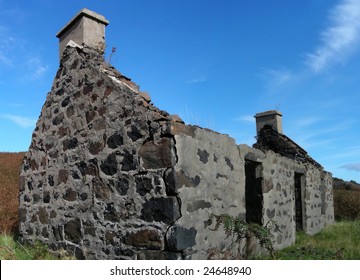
110 176
92 181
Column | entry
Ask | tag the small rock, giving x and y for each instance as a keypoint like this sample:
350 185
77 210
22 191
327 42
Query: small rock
176 118
144 95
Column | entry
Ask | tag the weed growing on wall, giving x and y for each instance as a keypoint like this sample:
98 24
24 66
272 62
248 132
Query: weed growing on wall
241 234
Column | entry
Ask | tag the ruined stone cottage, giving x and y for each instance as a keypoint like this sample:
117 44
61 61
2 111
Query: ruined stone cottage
110 176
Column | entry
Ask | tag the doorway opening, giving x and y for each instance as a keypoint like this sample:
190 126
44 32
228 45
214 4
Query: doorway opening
253 192
299 188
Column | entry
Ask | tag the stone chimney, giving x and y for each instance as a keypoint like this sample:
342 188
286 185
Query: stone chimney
272 118
87 28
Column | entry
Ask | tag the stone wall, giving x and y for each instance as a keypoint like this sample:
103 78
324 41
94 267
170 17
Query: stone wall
110 176
318 200
209 175
92 181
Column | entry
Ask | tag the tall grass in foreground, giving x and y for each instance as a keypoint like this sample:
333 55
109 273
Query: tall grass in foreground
340 241
13 250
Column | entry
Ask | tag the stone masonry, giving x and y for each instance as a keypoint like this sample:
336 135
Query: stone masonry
110 176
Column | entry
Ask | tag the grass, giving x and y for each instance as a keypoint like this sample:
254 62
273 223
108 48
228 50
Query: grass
13 250
340 241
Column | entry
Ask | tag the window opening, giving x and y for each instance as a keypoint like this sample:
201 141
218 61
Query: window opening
253 192
299 182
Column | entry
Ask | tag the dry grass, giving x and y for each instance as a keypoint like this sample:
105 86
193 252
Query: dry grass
347 205
9 190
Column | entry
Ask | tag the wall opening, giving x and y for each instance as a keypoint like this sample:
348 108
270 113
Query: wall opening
323 196
253 192
299 186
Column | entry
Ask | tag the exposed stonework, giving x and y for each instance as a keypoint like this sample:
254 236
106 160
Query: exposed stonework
93 179
110 176
269 138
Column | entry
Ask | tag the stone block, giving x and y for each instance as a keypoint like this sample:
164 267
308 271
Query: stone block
144 95
147 238
22 215
101 190
109 165
135 133
58 232
155 155
63 176
129 160
72 230
70 195
111 213
178 128
143 185
179 238
176 118
95 147
114 141
43 215
162 209
171 182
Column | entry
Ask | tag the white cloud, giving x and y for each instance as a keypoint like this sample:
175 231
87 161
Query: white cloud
340 38
36 68
24 122
352 166
40 70
277 78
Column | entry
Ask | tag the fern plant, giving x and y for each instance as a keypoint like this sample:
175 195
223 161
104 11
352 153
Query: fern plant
241 233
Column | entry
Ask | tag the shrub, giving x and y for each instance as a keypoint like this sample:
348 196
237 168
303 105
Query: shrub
241 234
346 205
9 190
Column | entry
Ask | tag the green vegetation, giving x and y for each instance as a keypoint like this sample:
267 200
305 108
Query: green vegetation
340 241
13 250
347 204
238 231
346 200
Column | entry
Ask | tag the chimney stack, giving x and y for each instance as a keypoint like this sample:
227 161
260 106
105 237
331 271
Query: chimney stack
87 28
272 118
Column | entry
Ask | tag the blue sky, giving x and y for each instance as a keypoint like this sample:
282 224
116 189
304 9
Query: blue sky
214 63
